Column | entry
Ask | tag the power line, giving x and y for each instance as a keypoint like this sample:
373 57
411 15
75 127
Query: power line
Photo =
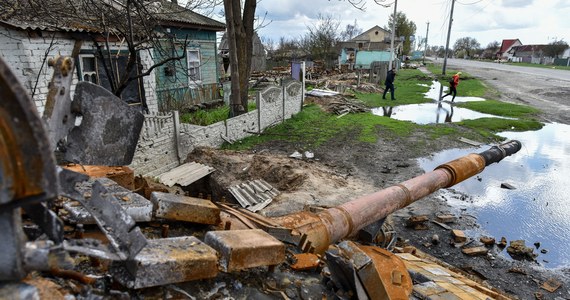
469 3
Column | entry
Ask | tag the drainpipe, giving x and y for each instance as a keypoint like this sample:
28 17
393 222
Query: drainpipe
320 230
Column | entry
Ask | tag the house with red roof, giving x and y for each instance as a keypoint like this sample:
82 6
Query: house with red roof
506 46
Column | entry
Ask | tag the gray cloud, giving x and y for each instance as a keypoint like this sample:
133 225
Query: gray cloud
517 3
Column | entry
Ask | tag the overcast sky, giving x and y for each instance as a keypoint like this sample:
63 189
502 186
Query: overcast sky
533 22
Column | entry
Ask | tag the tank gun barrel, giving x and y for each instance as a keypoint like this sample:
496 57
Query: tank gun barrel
336 223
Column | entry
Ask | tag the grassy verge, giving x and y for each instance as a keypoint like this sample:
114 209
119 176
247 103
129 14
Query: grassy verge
539 66
312 126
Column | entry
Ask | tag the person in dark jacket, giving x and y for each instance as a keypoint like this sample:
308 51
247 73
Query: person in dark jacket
453 83
390 83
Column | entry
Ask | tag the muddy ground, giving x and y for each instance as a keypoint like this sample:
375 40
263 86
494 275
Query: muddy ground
344 169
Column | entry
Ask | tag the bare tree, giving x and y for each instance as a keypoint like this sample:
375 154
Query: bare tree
322 38
351 30
240 27
555 48
467 44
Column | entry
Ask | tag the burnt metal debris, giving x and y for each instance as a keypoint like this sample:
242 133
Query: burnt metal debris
30 182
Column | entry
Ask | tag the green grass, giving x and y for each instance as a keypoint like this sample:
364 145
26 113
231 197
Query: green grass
205 117
499 108
313 127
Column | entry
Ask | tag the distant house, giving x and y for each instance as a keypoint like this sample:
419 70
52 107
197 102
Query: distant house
373 39
28 40
507 45
527 53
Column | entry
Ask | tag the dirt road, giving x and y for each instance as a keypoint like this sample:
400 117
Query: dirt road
545 89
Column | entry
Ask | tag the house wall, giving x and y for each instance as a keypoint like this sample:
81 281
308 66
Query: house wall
177 91
164 143
27 54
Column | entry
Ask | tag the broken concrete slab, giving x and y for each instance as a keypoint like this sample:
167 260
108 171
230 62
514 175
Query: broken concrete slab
183 208
167 261
244 249
135 205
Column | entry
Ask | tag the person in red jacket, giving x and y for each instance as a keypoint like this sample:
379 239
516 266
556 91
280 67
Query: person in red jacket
453 83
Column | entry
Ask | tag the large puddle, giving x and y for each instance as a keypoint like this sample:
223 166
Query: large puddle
437 112
538 209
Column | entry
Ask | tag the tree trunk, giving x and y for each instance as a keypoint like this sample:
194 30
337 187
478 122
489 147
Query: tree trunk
239 37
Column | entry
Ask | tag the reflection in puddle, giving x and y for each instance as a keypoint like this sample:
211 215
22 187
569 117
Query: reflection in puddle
437 112
433 93
537 210
427 113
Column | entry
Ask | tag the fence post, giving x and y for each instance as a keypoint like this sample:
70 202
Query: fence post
176 119
258 105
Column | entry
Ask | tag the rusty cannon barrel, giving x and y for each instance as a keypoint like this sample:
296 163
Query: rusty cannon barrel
320 230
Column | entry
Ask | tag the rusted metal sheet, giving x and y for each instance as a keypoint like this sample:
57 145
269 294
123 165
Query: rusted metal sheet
185 174
243 249
135 205
371 272
305 261
166 261
254 195
126 239
183 208
27 171
253 221
122 175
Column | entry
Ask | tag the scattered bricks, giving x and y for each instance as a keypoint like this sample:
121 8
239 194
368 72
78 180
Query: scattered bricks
417 222
242 249
502 243
475 251
166 261
409 249
518 250
182 208
551 285
305 261
446 218
458 236
488 241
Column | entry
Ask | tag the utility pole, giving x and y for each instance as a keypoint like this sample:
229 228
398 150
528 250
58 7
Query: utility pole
393 33
426 48
448 35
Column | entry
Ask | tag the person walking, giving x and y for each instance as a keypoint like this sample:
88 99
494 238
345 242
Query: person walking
453 83
389 82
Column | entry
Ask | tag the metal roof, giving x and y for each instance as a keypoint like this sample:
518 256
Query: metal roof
164 12
185 174
254 195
